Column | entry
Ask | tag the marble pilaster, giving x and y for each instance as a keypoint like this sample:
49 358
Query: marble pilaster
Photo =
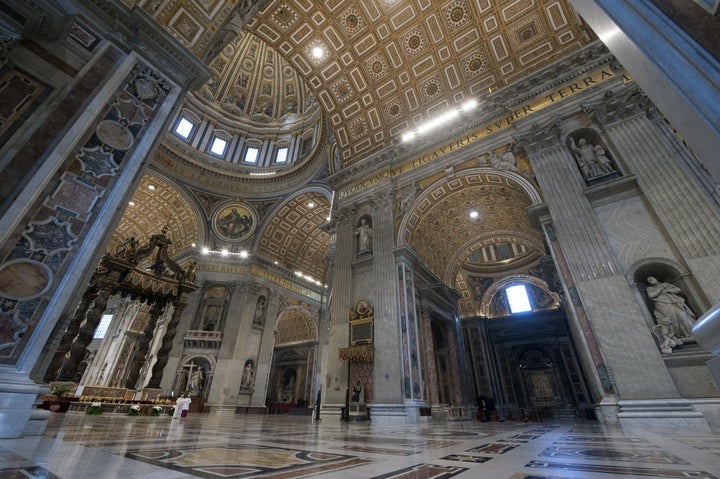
335 372
387 373
428 351
652 153
625 341
265 354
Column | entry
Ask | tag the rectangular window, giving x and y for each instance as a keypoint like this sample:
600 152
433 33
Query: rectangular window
184 128
518 298
102 328
251 155
281 156
218 146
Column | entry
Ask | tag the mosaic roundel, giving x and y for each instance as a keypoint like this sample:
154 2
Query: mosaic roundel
358 128
393 109
24 279
431 88
475 64
234 221
115 135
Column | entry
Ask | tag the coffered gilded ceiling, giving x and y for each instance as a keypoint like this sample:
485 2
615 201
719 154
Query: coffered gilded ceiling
388 65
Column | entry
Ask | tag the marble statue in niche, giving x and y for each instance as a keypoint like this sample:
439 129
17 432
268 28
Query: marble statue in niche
260 310
673 317
248 377
592 159
364 232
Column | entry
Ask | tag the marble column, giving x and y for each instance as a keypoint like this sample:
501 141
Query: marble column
679 76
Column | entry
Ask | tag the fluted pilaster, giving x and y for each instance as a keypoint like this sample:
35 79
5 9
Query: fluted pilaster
692 224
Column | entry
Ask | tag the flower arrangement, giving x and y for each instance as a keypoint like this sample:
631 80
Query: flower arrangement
94 408
134 410
155 410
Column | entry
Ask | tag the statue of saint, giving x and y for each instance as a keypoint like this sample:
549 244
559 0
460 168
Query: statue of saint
364 233
674 318
195 382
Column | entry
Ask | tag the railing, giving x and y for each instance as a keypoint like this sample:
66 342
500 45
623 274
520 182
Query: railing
203 339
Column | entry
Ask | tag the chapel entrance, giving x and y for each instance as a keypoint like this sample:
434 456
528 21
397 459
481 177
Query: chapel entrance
535 369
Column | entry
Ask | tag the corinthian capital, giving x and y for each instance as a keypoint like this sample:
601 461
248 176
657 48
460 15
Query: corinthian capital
540 137
615 107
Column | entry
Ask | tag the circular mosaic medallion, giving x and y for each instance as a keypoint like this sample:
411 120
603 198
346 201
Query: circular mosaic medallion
24 279
114 135
234 221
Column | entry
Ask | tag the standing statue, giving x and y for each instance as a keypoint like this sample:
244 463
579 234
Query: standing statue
674 318
195 382
585 157
364 233
248 375
260 309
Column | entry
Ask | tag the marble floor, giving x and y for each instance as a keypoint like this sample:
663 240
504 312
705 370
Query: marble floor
79 446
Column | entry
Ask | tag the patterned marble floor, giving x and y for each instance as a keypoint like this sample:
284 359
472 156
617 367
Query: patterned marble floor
77 446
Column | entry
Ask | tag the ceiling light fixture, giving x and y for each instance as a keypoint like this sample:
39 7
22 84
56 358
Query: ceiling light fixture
151 187
318 52
131 203
311 204
474 214
439 120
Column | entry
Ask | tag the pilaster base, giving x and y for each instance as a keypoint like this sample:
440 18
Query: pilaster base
714 366
17 399
663 416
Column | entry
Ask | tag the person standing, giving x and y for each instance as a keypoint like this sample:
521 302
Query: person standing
182 406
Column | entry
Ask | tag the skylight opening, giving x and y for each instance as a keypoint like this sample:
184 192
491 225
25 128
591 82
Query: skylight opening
518 298
251 155
218 146
184 128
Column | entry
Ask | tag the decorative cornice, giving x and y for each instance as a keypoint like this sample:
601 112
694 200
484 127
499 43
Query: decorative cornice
568 68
